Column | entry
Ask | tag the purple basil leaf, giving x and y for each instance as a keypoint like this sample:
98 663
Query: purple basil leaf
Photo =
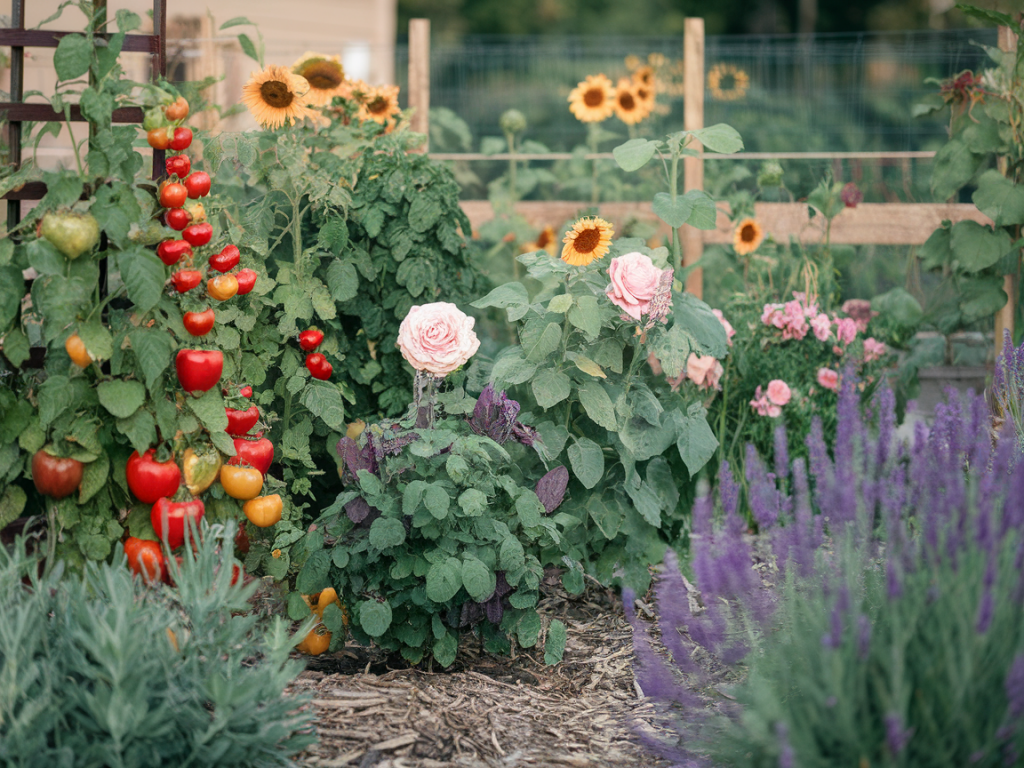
357 509
551 488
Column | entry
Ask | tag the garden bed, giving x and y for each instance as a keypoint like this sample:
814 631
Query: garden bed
488 711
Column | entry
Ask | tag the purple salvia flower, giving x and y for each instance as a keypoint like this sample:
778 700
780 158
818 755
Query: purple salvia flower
728 489
1015 690
985 610
893 583
834 638
762 494
896 736
781 453
863 637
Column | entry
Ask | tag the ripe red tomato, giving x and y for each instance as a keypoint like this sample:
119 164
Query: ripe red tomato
245 391
160 138
318 366
56 477
182 138
246 281
149 479
178 110
198 234
178 165
222 287
310 340
186 279
173 195
146 559
177 218
199 323
199 369
169 519
198 185
171 251
258 454
226 260
240 422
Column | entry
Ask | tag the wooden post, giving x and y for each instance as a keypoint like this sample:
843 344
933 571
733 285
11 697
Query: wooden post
693 118
1004 317
419 77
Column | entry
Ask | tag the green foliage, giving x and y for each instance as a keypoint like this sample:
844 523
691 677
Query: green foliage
103 670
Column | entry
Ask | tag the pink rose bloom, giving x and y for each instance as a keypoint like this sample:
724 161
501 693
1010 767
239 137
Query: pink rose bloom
437 338
860 311
729 330
705 371
772 315
634 283
822 327
773 412
846 330
779 392
796 327
873 349
828 378
759 403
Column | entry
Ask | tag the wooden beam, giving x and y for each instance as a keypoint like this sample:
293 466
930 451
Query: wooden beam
693 118
419 77
15 112
45 38
867 224
1005 316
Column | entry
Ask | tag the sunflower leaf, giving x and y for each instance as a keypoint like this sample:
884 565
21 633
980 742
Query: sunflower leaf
634 154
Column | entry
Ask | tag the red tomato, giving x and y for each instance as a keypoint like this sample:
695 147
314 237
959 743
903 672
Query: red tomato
198 234
199 323
245 391
160 138
146 559
177 218
186 279
149 479
199 369
169 519
318 366
258 454
310 340
241 542
178 110
56 477
178 165
226 260
173 195
171 251
182 138
198 185
246 281
240 422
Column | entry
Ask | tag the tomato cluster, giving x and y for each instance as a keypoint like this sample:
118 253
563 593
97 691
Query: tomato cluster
316 363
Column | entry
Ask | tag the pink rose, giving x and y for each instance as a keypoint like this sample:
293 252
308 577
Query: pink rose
705 371
437 338
729 330
772 315
846 330
822 327
773 412
828 378
779 392
873 349
634 283
860 311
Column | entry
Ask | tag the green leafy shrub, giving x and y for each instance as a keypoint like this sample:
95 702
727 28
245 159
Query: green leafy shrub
103 670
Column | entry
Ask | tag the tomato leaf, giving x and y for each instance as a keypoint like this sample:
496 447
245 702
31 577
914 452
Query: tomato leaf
121 398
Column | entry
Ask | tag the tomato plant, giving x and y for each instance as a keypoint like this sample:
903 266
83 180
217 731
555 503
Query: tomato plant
310 340
173 194
258 453
149 479
176 111
76 350
318 366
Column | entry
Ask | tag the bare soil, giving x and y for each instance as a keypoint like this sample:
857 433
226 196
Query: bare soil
489 711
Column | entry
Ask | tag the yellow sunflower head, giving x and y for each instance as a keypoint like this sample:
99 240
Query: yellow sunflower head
629 108
727 82
354 90
545 241
644 76
593 100
589 239
747 237
380 104
324 74
276 96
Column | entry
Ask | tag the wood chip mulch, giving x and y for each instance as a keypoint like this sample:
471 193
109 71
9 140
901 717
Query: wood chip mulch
487 710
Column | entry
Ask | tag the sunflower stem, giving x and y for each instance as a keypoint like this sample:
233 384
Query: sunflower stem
594 145
673 190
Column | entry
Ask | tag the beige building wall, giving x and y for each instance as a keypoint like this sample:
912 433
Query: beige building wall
362 32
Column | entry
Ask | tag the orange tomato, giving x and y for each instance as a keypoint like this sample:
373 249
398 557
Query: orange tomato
160 138
328 596
263 511
178 110
222 287
242 483
77 352
315 644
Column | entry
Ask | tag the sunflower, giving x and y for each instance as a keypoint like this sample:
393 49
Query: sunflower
588 239
324 74
276 96
629 108
380 104
644 76
592 100
544 242
747 236
354 90
727 82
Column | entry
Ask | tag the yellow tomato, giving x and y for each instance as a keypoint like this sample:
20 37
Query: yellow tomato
315 644
222 287
200 470
197 212
77 352
241 482
263 511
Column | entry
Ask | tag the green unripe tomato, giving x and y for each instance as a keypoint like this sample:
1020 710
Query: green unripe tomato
155 118
512 121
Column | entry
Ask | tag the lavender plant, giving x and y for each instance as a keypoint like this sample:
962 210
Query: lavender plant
1008 388
883 623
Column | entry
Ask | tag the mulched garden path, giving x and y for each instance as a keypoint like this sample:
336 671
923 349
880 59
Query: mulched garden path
488 711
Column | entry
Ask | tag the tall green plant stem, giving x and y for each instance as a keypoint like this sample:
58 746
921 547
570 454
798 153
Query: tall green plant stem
595 193
673 191
513 191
